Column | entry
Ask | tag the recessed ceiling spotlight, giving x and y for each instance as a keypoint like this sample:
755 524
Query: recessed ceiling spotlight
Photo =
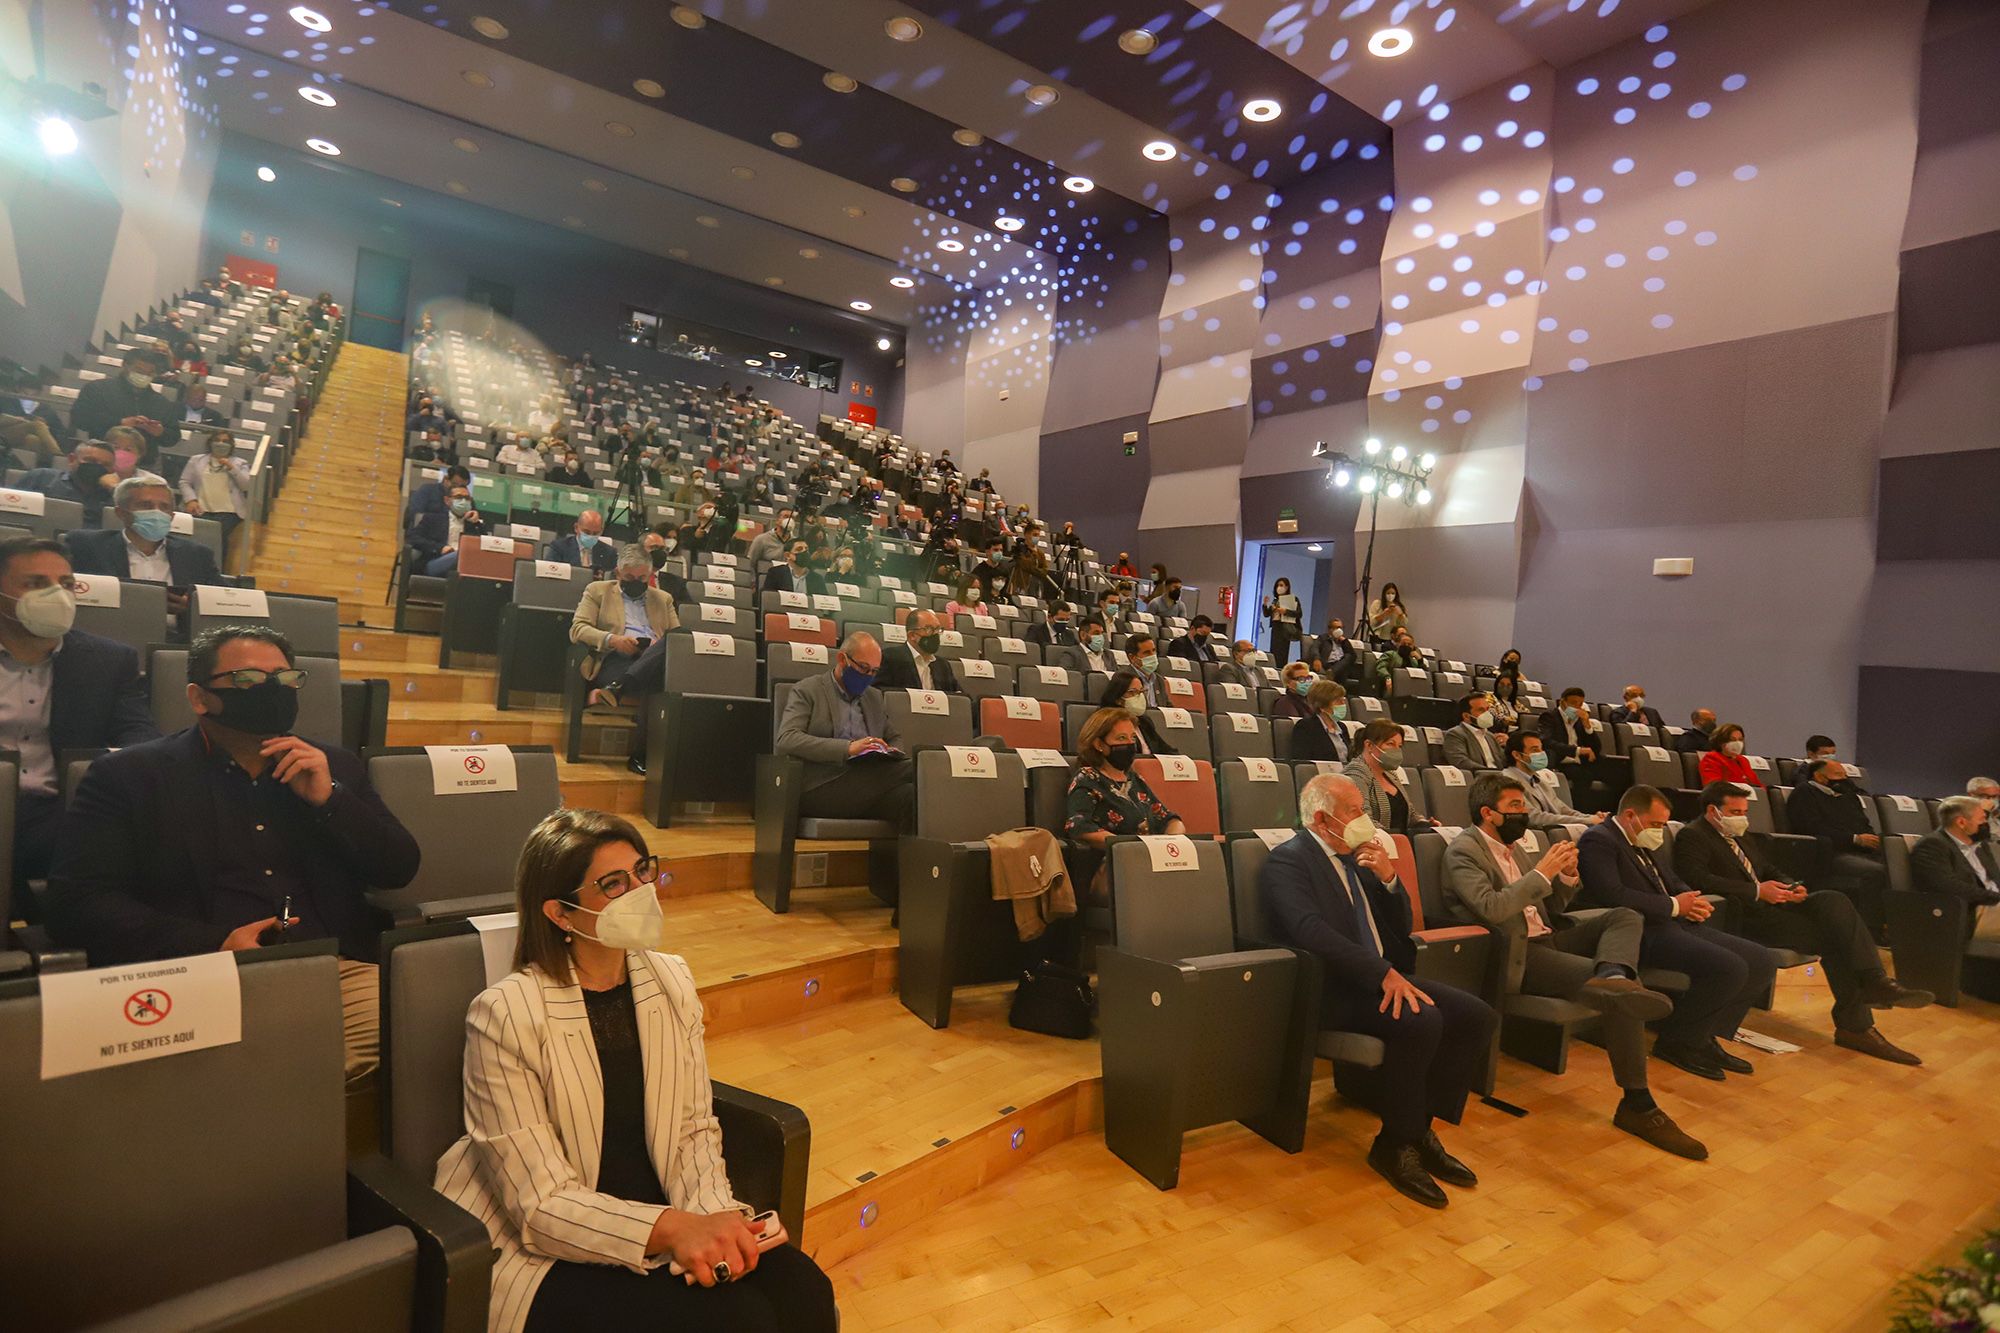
752 361
677 252
807 252
266 175
311 18
840 83
902 28
1041 95
393 203
902 282
950 246
691 19
785 139
774 282
1261 109
1160 151
492 28
743 173
326 146
968 138
457 187
1391 42
464 145
855 211
594 185
572 221
477 78
620 128
1137 42
776 356
1079 184
317 96
883 344
1008 224
707 220
903 185
649 88
863 306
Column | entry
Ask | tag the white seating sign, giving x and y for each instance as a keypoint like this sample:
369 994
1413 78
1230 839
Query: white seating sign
553 569
118 1015
971 761
98 590
457 769
1173 852
1028 710
932 702
210 600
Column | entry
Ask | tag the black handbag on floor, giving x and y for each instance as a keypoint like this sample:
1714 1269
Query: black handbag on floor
1054 1000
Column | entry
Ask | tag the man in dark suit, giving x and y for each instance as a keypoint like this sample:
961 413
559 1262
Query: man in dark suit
1636 712
21 395
88 480
428 498
584 545
1826 805
76 691
791 574
1194 645
916 665
195 414
1701 725
203 840
1059 631
129 399
1618 863
1576 742
1331 891
144 546
1956 857
1715 854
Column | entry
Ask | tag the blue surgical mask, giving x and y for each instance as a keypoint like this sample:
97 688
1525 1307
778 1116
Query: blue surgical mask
853 681
586 540
1539 760
1097 643
1302 685
1149 663
1569 713
461 506
152 524
1340 712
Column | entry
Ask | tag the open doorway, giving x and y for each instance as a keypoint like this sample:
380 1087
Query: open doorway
1307 565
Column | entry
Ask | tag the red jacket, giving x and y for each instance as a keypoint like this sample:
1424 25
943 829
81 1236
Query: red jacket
1719 767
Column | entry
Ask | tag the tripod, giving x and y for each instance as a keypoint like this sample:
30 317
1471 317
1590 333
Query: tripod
1367 566
629 505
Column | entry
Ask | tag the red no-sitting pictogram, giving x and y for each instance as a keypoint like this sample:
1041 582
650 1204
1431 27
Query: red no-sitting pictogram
1174 851
148 1007
474 764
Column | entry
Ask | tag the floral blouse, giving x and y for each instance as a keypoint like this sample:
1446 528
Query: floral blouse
1099 805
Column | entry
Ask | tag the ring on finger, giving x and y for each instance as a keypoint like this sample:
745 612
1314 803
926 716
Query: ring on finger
722 1271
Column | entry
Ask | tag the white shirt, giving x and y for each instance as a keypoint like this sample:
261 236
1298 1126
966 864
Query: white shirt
1969 850
153 568
1510 869
24 718
1353 890
923 661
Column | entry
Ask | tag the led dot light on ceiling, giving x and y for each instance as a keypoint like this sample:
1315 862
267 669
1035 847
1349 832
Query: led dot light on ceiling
649 88
1261 109
863 306
1041 95
707 220
266 175
464 145
840 83
743 173
492 28
855 211
1079 184
776 356
317 96
311 19
774 282
691 19
325 146
456 187
1390 42
594 185
477 78
1160 151
902 282
620 128
752 361
1008 224
883 344
1137 42
950 246
968 138
807 252
785 139
903 185
903 28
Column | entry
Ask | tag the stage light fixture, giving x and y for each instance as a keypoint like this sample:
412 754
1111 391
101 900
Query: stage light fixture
1372 445
1367 483
1398 454
1341 476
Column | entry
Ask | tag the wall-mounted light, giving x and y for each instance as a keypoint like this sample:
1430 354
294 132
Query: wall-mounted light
57 135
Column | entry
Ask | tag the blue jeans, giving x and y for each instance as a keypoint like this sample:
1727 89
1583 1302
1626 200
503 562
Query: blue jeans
442 565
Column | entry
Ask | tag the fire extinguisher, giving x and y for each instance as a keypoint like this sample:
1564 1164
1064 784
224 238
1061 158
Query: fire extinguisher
1226 596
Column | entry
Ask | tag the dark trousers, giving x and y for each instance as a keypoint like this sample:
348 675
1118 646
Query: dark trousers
786 1294
1598 783
1829 925
1865 879
634 676
1430 1056
1283 636
36 818
1725 974
879 789
1559 964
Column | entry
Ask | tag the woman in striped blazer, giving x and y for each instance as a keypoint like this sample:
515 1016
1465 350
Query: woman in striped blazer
591 1151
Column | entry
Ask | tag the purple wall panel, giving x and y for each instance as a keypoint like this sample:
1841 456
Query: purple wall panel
1946 298
1087 479
1925 732
1940 507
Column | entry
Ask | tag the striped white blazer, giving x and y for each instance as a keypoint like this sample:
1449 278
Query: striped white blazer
534 1127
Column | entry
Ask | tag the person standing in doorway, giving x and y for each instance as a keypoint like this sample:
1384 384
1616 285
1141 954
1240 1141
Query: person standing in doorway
1282 610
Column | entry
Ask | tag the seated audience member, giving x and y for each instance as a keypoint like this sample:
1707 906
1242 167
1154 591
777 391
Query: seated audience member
68 690
1987 792
769 545
593 1171
1322 734
1107 799
624 622
129 399
840 726
1818 747
1957 856
144 545
1332 890
203 839
1506 699
1724 760
21 394
1826 805
1714 855
1110 607
1333 655
425 516
130 451
516 456
1635 712
1576 742
706 533
659 545
967 601
1123 567
1169 601
1142 653
1386 615
1402 653
1241 668
915 665
216 484
584 545
567 471
1194 645
1059 631
1526 762
88 480
1471 744
1376 771
790 574
1620 866
1295 680
1127 690
1096 644
1701 726
459 520
1591 959
1510 663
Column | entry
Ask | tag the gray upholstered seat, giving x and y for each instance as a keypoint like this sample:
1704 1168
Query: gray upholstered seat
319 698
1252 803
470 840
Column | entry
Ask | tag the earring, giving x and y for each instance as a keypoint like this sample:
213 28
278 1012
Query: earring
568 938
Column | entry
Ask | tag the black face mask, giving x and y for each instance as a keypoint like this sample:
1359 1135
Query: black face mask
1120 757
928 644
87 475
269 709
1512 827
658 555
632 587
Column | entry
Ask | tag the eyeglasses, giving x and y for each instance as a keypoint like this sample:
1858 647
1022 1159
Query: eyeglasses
621 882
248 678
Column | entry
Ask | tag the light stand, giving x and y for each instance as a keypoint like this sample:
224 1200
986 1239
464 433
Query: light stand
1404 478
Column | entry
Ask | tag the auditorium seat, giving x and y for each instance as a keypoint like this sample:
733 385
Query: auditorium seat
1186 787
1930 934
920 729
1256 794
1446 795
1239 736
706 727
1022 722
533 636
470 839
129 611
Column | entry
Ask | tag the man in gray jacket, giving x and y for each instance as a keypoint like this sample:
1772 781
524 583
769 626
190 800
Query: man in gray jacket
1471 744
1591 958
839 725
1526 762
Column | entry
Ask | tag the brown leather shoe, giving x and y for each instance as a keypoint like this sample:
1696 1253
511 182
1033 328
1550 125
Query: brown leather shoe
1658 1128
1627 996
1872 1042
1885 992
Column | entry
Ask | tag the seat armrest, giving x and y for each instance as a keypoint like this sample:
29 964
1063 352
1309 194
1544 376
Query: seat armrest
768 1145
400 914
1442 934
454 1252
48 957
481 904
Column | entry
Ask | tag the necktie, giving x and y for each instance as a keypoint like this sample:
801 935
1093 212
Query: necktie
1737 847
1651 869
1364 926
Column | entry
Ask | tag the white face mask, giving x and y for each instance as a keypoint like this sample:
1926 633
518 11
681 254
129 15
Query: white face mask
138 379
1733 747
633 920
46 613
1733 825
1360 831
1649 839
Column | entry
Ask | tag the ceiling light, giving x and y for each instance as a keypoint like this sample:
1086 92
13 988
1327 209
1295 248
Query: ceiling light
752 361
266 175
595 185
324 146
776 356
1008 224
317 96
677 252
1427 462
691 19
855 211
902 28
883 344
807 252
785 139
1367 482
1315 548
464 145
1372 445
969 138
708 221
311 18
457 187
58 136
1399 453
1079 184
774 282
950 246
902 282
1341 476
1160 151
743 173
393 203
1041 95
572 221
492 28
863 306
1137 42
1423 495
477 78
1395 490
840 83
1261 109
903 184
619 128
649 88
1390 42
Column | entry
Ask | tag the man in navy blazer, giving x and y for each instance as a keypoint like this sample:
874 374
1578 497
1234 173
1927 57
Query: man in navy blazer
1620 866
1331 891
127 552
600 556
